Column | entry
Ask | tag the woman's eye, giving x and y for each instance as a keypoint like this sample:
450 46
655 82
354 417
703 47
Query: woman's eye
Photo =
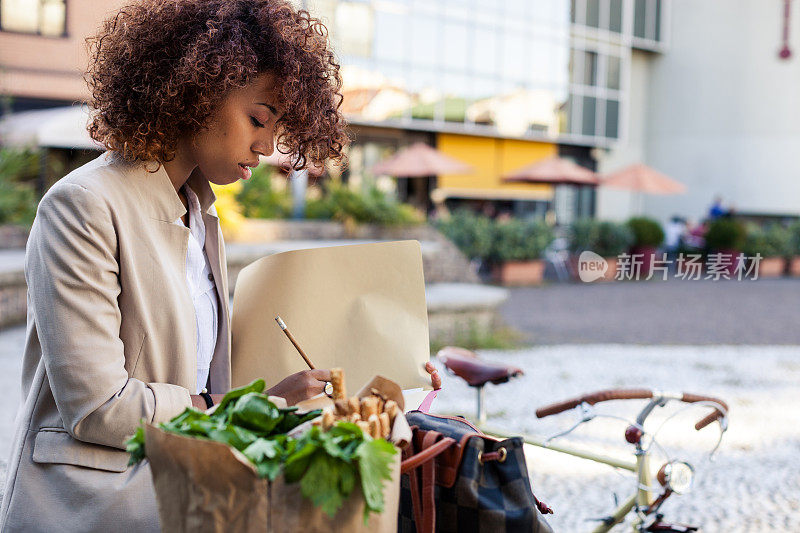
256 123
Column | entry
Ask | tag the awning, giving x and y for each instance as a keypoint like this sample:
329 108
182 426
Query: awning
541 193
58 127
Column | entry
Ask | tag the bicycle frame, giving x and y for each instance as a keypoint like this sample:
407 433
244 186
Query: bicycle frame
642 497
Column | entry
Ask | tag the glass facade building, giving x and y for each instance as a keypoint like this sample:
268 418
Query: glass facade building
539 69
551 72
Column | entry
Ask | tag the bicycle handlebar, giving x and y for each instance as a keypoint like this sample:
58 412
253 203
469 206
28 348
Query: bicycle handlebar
694 398
593 398
630 394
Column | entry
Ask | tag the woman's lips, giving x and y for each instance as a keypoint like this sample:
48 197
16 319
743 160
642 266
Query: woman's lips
245 172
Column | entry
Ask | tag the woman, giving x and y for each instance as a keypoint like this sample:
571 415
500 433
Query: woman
125 265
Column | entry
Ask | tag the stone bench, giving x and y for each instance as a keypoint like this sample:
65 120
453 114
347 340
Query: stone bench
456 310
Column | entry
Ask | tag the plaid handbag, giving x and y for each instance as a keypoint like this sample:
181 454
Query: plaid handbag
457 479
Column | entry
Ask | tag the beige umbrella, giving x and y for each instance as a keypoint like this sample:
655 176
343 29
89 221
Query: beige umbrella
420 160
554 170
643 179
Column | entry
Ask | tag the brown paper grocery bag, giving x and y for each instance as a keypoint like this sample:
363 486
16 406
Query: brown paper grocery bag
206 486
359 307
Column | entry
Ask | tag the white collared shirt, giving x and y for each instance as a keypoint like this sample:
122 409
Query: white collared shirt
201 288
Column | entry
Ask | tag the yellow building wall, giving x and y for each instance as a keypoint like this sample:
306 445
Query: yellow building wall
491 159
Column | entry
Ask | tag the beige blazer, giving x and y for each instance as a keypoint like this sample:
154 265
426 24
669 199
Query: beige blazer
110 341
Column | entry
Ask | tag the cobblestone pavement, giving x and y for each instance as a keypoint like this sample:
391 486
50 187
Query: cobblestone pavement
753 485
764 311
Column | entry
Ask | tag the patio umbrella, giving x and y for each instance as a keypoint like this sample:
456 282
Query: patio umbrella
554 170
643 179
420 160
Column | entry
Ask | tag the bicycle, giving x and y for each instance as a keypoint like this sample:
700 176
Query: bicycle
673 477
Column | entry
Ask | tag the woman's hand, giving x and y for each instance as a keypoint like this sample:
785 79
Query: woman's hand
436 380
301 385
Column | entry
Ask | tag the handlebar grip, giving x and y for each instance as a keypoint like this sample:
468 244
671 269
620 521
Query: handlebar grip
694 398
593 398
556 408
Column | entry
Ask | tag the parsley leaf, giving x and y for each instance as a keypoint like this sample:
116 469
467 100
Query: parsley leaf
328 481
374 457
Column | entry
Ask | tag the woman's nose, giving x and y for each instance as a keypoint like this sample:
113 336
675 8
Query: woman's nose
264 148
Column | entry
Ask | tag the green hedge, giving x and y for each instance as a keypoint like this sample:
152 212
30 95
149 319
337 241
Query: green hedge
726 234
259 200
338 202
605 238
769 241
17 196
371 206
646 232
480 237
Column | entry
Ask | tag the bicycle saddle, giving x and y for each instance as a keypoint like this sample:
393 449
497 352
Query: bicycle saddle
467 365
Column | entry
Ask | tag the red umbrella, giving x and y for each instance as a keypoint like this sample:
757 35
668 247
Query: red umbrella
641 178
420 160
554 170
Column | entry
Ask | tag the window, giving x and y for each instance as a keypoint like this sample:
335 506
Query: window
593 13
640 18
41 17
612 119
613 64
353 28
589 115
615 20
647 19
584 67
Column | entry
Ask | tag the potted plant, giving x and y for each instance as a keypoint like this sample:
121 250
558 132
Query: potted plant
517 249
605 238
793 261
726 238
773 243
647 237
471 233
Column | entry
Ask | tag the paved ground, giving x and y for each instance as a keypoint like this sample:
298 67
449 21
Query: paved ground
765 311
752 486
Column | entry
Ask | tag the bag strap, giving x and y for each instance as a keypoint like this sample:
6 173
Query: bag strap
428 524
427 454
422 493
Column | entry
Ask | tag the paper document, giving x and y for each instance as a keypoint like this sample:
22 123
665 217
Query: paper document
360 307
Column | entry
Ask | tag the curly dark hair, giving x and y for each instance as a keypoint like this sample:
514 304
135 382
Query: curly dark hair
158 70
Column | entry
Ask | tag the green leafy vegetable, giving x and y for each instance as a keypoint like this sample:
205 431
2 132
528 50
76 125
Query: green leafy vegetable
327 464
373 465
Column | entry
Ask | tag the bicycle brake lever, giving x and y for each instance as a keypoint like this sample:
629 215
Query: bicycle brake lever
723 425
587 414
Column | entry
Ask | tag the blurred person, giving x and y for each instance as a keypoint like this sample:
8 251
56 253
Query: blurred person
674 231
716 210
695 235
125 265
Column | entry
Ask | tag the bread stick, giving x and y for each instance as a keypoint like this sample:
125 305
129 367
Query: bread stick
327 419
337 380
386 427
374 426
